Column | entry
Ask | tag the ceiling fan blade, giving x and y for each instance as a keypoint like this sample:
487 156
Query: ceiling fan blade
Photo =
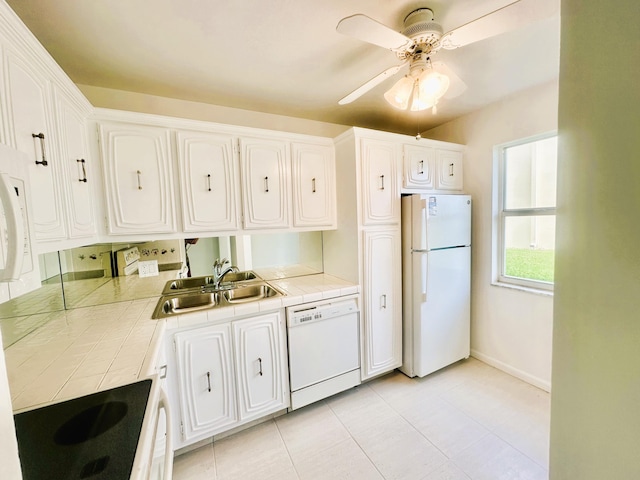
456 85
515 15
378 79
368 30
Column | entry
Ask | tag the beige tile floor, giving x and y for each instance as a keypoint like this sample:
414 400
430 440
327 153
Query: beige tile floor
468 421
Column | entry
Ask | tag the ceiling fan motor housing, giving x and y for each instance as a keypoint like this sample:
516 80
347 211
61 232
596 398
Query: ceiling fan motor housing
420 27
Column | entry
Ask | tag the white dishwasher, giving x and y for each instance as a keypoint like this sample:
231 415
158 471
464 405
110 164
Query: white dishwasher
324 349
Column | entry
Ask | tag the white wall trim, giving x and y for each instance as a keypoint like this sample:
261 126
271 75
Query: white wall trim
535 381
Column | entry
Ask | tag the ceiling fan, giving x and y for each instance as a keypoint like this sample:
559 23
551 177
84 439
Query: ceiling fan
422 37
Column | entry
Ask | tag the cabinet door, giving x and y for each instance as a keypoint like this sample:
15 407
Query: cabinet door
382 336
449 170
381 201
29 112
314 194
260 363
77 174
208 179
206 379
419 167
138 178
265 180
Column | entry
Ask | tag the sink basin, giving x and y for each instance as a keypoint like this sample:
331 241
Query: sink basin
239 276
180 284
187 303
187 283
250 293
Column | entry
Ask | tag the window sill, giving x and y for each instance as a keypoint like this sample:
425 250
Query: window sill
535 291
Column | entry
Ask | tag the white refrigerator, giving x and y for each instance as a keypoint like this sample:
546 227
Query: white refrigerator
436 281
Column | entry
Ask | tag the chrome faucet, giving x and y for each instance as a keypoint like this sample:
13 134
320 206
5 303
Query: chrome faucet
219 270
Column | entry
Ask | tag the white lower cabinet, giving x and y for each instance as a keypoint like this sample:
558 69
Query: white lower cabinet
260 361
206 381
382 336
228 374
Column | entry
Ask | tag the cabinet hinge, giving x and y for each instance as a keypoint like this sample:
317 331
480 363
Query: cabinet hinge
174 345
182 428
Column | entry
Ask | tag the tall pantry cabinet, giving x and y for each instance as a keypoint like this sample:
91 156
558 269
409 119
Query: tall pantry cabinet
366 246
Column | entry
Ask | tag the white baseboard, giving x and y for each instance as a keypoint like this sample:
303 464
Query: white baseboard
505 367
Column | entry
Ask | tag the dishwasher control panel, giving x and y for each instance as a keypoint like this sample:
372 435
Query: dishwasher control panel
301 315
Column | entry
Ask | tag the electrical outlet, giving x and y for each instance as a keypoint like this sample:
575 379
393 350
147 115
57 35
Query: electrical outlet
148 269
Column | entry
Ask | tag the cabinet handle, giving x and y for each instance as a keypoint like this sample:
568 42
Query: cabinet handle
421 169
44 162
313 185
266 184
209 181
138 172
259 366
451 169
84 172
381 182
383 301
209 381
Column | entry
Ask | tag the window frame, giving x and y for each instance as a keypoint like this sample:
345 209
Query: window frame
502 213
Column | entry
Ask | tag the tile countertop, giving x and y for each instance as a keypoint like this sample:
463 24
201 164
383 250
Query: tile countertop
88 349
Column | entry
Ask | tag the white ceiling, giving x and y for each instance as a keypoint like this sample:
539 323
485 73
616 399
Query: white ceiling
282 56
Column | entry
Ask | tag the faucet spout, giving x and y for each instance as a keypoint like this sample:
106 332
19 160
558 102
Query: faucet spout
220 269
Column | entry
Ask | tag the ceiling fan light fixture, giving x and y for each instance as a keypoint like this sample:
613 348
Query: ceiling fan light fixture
433 84
400 94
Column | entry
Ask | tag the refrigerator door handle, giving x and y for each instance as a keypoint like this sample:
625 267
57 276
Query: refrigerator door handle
424 274
423 223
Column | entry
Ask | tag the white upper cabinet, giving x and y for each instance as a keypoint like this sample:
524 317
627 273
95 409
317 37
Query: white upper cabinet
28 101
419 165
265 183
208 181
138 178
261 365
449 165
380 195
77 168
313 176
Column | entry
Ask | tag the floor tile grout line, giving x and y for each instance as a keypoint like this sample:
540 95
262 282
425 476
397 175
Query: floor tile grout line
286 447
354 439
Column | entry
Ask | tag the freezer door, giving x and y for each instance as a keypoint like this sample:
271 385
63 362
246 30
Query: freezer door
448 220
441 320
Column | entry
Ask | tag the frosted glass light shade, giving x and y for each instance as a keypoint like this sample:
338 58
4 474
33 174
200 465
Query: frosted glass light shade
421 93
400 93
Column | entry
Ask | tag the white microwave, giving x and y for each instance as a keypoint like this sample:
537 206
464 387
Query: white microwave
19 269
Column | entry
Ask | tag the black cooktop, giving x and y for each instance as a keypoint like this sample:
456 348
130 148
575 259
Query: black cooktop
93 437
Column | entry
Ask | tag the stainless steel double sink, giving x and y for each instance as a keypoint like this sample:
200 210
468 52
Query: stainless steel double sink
185 295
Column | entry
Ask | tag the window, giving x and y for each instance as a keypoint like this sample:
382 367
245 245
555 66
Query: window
527 211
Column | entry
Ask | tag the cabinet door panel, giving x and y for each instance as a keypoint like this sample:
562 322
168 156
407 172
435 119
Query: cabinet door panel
313 169
265 181
419 167
382 302
381 201
29 110
138 179
259 356
206 376
208 177
449 170
77 173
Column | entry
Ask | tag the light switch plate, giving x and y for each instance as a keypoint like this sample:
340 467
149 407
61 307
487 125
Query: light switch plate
148 269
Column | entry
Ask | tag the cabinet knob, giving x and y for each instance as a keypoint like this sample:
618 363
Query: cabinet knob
381 182
139 173
421 168
259 366
208 381
451 169
313 185
209 182
266 184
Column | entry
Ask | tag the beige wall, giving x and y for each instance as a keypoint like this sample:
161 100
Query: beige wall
510 329
142 103
595 403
